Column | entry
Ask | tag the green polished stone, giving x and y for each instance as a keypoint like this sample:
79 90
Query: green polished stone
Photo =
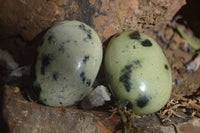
138 72
67 64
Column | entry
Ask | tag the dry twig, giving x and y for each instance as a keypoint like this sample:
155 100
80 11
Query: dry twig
173 105
189 101
127 117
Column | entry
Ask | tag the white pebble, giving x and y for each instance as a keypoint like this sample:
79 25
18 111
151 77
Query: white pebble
96 98
21 71
193 66
6 57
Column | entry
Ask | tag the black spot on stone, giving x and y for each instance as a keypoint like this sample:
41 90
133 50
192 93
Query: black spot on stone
84 79
166 67
87 31
61 49
60 102
135 35
86 58
46 61
136 64
88 82
51 39
134 47
68 41
89 36
126 76
55 76
142 101
82 27
82 76
146 43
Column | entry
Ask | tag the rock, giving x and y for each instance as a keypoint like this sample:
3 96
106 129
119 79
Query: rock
29 18
7 60
23 116
192 126
97 97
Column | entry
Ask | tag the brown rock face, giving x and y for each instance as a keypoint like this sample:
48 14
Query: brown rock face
28 18
23 116
107 17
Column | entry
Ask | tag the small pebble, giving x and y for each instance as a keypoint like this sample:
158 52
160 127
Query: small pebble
7 60
193 66
178 82
96 98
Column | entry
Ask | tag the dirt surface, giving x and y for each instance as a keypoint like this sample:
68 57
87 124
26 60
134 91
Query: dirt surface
179 54
177 50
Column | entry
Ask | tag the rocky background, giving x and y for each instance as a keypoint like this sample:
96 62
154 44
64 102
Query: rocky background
29 18
24 22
